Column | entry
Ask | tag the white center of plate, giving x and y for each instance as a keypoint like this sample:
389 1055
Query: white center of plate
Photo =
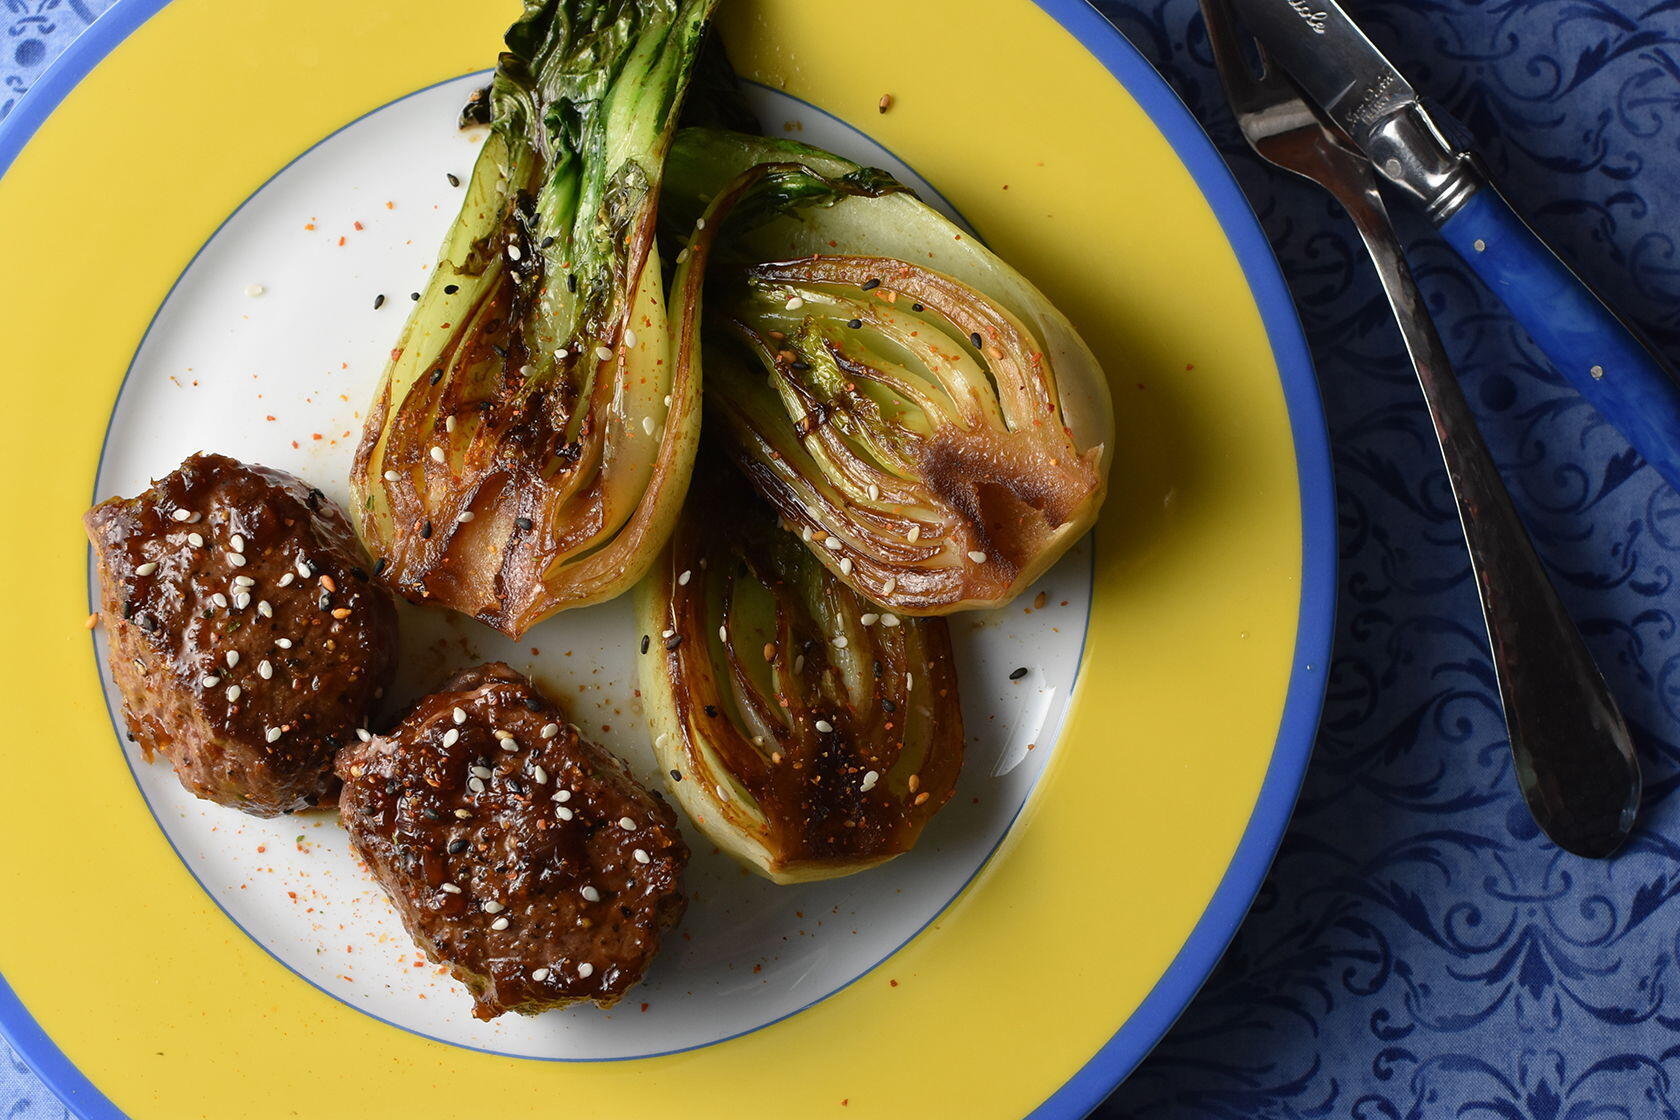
268 349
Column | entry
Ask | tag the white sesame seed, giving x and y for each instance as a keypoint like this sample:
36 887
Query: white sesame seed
682 255
824 726
232 693
392 476
195 539
232 658
909 682
219 599
481 772
603 353
491 906
539 975
265 610
283 643
667 633
237 542
682 580
629 338
869 781
890 586
585 970
244 581
451 888
254 290
805 534
560 354
869 619
874 492
723 634
450 737
642 856
437 454
550 730
286 580
977 557
303 568
832 543
562 795
846 566
700 223
459 715
667 400
563 813
463 814
265 670
499 924
146 569
449 423
590 894
476 785
889 620
504 736
799 664
209 680
513 252
647 424
915 534
840 642
181 514
236 560
539 775
795 303
364 734
272 734
241 600
627 824
464 516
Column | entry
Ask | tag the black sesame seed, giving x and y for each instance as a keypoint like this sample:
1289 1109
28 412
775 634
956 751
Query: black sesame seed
711 710
545 243
149 624
871 284
324 602
454 179
854 323
379 301
129 608
976 339
877 669
379 566
1018 674
888 706
525 524
571 281
361 576
516 786
437 375
797 364
415 296
426 531
676 775
451 289
917 307
501 351
532 704
673 641
431 814
644 643
314 500
456 847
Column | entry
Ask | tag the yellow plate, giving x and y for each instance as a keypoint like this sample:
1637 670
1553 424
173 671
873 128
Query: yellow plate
131 992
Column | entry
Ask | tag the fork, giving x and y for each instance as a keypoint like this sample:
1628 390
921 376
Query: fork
1573 757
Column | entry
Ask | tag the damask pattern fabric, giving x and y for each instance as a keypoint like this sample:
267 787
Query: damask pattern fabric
1418 950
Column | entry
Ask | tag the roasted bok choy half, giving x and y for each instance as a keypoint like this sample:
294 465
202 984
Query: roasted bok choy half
916 411
807 732
531 442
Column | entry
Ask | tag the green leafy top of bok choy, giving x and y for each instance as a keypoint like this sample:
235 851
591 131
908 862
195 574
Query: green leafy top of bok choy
531 441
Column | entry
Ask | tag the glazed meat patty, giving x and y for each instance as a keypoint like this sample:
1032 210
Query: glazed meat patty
518 853
245 634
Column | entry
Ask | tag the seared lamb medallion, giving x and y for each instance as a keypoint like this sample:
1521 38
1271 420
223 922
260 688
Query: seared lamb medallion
518 853
245 634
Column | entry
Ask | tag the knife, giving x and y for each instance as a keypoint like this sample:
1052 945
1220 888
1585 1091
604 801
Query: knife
1361 92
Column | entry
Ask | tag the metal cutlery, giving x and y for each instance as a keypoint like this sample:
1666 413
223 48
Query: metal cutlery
1573 758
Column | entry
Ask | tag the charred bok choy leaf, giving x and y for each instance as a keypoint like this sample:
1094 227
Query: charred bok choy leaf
531 441
919 413
804 730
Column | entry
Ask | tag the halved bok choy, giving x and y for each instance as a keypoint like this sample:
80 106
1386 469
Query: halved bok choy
531 441
805 731
915 410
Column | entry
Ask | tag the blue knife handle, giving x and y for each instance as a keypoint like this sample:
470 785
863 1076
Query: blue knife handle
1596 352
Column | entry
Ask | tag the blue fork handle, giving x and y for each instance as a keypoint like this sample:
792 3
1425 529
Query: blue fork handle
1633 388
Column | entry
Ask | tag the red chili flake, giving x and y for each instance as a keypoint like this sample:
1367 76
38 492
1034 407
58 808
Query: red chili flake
341 240
894 983
270 419
358 225
390 206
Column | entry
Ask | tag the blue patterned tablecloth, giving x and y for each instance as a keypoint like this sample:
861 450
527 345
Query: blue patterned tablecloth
1418 950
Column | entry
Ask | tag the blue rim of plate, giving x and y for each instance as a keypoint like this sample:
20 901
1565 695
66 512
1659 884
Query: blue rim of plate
1303 701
